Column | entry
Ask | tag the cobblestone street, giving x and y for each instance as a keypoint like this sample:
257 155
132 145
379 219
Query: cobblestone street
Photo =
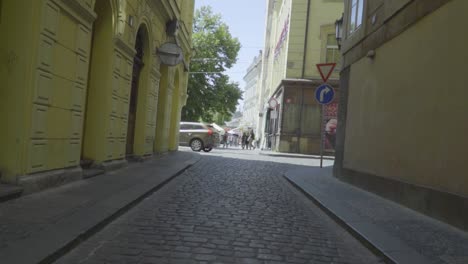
233 206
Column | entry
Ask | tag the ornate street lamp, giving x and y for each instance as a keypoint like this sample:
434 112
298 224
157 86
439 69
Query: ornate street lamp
339 31
170 53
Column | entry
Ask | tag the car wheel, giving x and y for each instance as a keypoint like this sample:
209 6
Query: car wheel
207 149
196 144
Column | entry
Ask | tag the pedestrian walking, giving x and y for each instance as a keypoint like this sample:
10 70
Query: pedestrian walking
244 141
251 140
225 140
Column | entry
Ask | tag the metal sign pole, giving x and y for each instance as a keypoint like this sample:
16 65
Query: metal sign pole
322 134
324 95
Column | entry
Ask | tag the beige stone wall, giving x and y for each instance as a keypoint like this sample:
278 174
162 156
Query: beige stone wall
407 108
66 71
321 13
279 53
16 68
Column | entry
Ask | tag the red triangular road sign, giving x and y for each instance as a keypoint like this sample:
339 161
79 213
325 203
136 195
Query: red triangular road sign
326 70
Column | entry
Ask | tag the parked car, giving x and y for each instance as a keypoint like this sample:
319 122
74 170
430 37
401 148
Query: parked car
198 136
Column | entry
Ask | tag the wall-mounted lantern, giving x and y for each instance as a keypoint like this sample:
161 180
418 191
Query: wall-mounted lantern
131 20
339 31
170 53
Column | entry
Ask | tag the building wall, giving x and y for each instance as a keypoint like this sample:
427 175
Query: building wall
104 61
16 70
293 56
66 71
263 78
320 13
252 82
280 22
51 76
402 84
297 38
406 107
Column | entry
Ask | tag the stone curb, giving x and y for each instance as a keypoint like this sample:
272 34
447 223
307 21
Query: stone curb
296 156
341 222
9 192
49 247
390 248
125 208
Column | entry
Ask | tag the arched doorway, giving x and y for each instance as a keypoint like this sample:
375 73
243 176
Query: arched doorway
138 65
101 60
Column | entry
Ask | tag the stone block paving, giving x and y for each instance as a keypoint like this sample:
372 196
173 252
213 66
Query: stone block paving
224 210
46 221
436 241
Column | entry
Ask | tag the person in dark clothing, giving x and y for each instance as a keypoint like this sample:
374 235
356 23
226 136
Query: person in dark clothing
244 140
225 140
250 140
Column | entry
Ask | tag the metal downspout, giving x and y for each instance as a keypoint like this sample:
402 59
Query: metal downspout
306 39
298 147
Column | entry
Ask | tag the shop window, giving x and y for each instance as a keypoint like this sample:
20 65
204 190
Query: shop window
311 114
292 110
355 17
301 115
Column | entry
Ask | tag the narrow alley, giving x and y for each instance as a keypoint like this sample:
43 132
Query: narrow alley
233 206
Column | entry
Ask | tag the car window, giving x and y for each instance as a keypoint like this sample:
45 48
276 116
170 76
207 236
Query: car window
198 127
185 126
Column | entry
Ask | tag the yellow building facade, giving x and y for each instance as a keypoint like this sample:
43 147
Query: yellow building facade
82 83
404 91
299 35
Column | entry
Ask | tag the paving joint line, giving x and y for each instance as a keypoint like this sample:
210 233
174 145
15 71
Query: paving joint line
361 238
106 221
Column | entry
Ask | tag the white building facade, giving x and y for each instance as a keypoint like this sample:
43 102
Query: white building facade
251 94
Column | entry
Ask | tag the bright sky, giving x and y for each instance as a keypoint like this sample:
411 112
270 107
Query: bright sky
246 21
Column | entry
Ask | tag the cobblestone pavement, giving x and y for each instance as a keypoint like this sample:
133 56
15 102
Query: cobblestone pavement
231 207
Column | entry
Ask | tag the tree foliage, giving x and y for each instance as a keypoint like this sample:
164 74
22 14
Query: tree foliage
211 94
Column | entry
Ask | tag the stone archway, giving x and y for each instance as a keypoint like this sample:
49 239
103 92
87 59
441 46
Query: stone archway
140 97
139 61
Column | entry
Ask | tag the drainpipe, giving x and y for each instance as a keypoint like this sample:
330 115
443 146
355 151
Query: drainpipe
306 37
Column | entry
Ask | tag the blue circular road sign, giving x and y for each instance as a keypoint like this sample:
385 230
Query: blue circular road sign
324 94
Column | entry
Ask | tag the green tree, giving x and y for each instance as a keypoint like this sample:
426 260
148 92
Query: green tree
210 92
